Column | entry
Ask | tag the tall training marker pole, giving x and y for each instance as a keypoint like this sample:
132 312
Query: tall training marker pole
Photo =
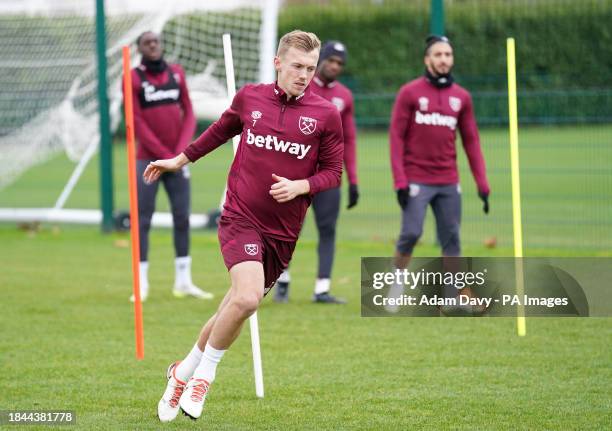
253 324
131 161
516 187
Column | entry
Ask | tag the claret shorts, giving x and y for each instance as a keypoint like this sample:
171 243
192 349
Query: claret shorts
241 241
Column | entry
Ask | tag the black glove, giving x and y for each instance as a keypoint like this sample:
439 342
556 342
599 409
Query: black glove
353 196
402 197
485 199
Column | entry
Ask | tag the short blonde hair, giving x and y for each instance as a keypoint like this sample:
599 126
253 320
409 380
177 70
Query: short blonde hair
299 39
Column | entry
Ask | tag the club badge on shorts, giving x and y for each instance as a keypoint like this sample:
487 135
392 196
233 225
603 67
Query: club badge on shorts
251 249
307 125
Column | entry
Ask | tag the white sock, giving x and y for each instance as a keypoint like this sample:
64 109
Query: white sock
208 365
185 369
285 277
182 267
144 276
322 285
396 290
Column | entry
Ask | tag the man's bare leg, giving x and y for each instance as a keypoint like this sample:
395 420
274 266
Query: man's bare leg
204 336
207 328
184 370
241 302
178 375
247 293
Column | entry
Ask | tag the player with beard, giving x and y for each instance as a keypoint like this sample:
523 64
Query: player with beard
326 205
426 114
291 148
164 124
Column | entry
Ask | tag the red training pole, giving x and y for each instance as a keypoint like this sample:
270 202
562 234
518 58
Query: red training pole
131 161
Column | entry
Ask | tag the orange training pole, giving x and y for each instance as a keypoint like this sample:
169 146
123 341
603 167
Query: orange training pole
131 159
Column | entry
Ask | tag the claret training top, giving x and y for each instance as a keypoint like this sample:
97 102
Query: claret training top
295 138
164 121
422 134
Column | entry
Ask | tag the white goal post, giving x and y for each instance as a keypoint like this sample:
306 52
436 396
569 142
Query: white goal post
48 75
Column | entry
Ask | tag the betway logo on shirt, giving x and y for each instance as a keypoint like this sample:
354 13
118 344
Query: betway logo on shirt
271 142
151 95
436 119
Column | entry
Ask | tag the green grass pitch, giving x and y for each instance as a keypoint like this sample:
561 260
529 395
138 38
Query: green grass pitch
68 338
565 179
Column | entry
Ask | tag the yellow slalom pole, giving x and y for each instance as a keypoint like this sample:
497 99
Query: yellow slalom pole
516 187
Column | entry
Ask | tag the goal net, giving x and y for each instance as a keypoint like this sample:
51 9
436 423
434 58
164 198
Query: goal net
48 76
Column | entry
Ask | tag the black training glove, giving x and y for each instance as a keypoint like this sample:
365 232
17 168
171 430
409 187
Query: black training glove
485 199
353 196
402 197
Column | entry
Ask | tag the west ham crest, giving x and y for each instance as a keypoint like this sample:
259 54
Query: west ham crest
251 249
255 115
423 103
455 103
307 125
338 102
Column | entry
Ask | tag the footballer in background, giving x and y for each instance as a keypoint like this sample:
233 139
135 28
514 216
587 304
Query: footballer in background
326 205
164 124
422 133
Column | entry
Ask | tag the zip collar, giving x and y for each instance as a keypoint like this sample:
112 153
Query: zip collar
285 98
322 83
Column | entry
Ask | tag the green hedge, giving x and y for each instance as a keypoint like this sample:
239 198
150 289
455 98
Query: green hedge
561 46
